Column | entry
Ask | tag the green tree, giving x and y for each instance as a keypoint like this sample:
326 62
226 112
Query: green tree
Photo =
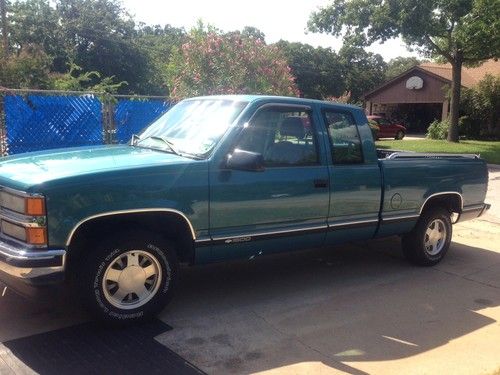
211 62
362 71
99 36
317 71
253 32
36 22
458 31
28 68
158 43
400 65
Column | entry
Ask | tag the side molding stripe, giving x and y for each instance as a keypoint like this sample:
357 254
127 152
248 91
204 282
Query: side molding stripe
263 235
399 218
253 236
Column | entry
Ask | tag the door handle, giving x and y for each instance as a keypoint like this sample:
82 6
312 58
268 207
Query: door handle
320 183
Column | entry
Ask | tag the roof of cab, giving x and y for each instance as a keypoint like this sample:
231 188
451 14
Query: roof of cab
254 98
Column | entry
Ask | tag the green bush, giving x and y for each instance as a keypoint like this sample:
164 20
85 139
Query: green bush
468 127
438 130
374 128
482 105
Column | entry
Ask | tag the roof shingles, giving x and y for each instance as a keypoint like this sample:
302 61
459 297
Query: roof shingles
470 76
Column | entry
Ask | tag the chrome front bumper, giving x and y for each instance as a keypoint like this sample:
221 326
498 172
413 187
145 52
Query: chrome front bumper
30 265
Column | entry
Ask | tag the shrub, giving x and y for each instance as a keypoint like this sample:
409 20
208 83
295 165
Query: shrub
27 69
212 63
468 127
438 130
374 128
482 104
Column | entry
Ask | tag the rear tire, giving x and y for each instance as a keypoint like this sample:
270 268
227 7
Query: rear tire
428 242
129 278
399 135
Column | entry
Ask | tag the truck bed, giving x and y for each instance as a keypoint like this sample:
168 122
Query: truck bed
409 179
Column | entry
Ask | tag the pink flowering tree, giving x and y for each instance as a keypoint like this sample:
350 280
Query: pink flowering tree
344 98
213 63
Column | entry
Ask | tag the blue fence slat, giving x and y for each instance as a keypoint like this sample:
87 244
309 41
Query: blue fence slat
40 122
132 115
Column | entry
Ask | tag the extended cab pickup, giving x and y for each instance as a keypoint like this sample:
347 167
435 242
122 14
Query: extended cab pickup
219 178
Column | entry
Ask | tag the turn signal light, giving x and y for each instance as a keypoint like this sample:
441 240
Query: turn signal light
35 206
36 236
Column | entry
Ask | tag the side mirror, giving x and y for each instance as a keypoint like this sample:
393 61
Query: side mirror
245 161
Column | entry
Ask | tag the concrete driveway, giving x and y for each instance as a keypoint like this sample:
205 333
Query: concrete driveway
414 137
410 137
354 309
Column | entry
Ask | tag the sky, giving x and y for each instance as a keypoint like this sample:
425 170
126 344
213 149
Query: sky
277 19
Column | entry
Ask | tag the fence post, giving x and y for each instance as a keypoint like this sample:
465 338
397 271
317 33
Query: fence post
4 149
108 119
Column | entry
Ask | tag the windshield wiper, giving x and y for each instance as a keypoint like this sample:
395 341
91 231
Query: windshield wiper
136 140
170 144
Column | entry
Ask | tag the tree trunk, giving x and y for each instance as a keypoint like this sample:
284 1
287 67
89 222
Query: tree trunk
5 40
456 83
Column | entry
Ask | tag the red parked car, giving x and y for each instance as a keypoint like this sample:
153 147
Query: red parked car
388 129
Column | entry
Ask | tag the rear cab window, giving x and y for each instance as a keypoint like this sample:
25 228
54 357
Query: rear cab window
345 141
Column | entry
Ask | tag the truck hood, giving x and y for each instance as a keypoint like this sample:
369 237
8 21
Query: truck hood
30 169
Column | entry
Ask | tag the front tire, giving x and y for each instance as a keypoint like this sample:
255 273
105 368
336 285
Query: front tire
428 242
399 135
129 278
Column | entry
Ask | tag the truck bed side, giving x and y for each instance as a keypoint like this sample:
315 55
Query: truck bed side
411 183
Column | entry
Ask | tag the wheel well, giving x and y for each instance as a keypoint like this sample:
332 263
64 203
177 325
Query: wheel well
170 226
451 201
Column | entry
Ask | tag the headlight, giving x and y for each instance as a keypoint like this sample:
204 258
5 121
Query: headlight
13 230
30 235
31 206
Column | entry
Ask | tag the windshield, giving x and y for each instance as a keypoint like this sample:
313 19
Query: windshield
192 127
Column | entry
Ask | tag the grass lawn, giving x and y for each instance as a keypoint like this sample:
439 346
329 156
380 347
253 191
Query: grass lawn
489 150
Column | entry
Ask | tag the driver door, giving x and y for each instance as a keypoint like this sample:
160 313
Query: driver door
284 206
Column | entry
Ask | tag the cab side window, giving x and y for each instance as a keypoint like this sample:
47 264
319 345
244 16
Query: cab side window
284 136
344 137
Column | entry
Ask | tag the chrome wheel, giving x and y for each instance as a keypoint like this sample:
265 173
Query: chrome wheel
131 279
435 237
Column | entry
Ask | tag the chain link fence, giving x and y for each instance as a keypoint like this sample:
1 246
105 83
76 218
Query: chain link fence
35 120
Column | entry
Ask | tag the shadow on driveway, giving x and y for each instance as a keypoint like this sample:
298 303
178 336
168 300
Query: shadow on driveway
341 308
359 303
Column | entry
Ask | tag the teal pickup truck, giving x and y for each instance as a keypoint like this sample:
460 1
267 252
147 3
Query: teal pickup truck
219 178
